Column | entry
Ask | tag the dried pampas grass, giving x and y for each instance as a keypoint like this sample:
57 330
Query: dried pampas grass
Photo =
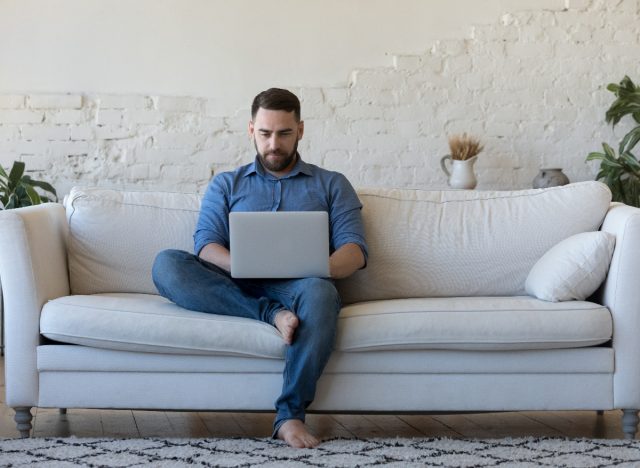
464 147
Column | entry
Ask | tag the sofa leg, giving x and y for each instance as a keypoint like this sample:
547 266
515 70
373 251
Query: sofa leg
630 421
23 419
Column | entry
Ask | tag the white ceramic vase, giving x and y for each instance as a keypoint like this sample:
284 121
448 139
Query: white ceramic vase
461 175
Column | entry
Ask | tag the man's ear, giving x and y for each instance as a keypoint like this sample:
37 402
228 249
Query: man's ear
251 128
300 129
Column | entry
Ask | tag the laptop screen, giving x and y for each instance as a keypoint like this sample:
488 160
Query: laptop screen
279 244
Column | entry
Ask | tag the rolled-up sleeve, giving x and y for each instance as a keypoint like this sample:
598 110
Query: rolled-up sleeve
346 216
213 221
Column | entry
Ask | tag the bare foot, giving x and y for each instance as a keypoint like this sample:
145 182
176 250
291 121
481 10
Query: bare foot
295 433
286 322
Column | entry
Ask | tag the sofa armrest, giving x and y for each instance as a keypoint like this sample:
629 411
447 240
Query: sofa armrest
33 270
621 294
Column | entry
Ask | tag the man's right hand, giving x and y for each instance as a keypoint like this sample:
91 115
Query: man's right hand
216 254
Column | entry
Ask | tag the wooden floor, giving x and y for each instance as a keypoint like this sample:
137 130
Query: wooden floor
130 424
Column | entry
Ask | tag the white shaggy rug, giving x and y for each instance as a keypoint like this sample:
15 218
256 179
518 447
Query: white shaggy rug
525 452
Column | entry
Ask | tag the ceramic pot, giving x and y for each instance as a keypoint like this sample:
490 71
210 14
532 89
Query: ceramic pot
550 177
461 175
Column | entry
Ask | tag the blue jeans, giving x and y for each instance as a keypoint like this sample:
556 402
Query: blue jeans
196 284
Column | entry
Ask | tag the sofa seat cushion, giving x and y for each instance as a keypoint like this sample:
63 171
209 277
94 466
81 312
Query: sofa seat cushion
472 323
150 323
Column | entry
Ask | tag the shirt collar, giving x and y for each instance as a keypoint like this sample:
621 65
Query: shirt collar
301 167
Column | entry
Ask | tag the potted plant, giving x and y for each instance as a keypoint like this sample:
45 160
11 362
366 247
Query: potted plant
18 190
621 172
464 150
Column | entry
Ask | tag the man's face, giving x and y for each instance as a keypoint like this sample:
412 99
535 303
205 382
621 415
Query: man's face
275 135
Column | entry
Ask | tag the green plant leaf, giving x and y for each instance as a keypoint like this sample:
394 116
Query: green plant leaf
16 173
631 190
18 189
613 88
34 198
43 185
613 184
601 175
593 156
630 140
608 151
611 163
627 102
622 173
11 202
631 163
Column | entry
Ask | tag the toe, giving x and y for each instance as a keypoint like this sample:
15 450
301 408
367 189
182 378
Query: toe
286 322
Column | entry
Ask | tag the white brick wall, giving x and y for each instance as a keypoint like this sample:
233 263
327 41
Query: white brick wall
11 102
55 101
531 86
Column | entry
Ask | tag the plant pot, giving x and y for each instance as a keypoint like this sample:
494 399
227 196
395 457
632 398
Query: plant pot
462 175
550 177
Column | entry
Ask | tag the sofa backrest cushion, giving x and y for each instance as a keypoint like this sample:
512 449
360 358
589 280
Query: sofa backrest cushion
421 243
115 235
466 243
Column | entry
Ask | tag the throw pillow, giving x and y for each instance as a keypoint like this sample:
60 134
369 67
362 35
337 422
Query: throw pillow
573 268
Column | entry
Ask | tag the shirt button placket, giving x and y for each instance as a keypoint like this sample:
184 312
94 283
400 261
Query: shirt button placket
277 195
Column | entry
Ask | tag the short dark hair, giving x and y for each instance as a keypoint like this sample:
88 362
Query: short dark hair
276 99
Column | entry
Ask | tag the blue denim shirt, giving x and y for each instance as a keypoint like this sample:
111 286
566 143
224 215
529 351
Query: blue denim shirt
306 188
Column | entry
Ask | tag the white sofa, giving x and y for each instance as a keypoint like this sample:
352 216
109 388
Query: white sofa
439 321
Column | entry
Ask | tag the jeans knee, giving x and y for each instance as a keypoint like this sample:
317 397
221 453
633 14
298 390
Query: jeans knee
163 261
321 297
165 267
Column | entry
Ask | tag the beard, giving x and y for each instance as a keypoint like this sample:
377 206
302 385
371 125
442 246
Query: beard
280 163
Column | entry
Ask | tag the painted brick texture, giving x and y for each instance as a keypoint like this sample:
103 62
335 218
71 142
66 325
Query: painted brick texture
531 86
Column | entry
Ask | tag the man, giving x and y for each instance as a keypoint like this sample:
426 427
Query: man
303 310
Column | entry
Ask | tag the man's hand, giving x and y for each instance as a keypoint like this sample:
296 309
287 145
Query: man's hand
216 254
345 261
342 263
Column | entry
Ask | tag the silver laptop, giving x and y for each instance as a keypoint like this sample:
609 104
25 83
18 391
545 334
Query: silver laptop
279 244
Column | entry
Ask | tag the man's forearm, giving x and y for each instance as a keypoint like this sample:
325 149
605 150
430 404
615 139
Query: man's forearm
342 263
345 261
216 254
